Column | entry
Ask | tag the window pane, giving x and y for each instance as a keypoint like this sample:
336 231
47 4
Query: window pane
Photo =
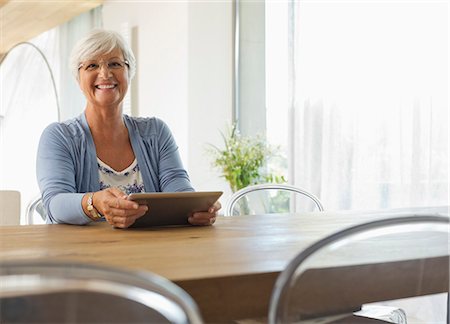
367 107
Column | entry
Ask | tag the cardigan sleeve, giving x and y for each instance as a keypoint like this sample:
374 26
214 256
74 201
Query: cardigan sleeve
56 173
172 175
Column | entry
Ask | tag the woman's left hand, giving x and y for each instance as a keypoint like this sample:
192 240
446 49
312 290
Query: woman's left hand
206 217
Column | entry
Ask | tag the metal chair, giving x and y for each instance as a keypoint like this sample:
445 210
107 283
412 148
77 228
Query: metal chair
34 207
55 292
271 198
9 207
327 282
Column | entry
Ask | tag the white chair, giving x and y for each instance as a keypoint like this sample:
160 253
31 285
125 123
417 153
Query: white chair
327 282
9 207
35 207
271 198
56 292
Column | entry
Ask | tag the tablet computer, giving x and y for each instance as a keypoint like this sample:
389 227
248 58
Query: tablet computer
172 208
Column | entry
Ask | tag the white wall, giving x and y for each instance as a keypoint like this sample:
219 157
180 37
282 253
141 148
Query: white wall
160 45
184 76
209 86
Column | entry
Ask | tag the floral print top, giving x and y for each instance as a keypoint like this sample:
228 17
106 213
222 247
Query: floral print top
128 180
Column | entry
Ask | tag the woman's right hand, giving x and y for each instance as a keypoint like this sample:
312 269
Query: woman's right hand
118 211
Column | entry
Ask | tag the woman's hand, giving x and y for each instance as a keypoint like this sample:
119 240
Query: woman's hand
205 218
116 208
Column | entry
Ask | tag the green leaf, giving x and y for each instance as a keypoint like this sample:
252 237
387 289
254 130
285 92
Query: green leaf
243 161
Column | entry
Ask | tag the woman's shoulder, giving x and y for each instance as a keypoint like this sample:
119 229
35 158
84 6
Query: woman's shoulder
68 128
147 125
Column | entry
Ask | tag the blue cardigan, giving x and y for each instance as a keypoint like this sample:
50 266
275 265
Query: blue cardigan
67 164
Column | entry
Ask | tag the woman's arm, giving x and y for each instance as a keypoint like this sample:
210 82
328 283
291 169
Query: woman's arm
56 174
172 175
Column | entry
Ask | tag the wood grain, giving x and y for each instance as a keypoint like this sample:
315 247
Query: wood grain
22 20
229 268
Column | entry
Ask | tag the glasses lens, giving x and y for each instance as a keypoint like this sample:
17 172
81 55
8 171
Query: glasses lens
115 65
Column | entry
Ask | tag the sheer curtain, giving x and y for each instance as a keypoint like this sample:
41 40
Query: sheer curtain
28 102
370 102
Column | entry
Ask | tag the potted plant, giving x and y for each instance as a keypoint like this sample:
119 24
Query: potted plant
243 160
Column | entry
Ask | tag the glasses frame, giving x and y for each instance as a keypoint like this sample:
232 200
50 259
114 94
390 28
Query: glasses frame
105 64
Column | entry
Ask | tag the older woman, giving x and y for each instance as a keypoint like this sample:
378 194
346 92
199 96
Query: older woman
87 166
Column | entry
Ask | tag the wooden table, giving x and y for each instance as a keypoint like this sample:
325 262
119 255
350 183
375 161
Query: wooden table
229 268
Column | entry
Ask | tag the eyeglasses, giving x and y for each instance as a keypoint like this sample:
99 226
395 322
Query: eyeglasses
92 66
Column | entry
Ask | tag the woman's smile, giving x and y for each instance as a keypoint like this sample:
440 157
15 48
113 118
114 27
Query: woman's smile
106 86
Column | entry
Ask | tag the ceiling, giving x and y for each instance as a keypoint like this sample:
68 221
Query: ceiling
22 20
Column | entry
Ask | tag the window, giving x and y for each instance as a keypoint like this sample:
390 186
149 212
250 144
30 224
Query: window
28 104
356 94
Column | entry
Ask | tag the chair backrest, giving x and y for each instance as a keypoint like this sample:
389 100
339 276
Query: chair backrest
370 262
35 207
271 198
9 207
50 292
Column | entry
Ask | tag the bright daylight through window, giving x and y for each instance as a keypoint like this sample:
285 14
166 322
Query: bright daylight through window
357 95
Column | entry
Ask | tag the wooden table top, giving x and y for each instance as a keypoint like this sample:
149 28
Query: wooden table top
235 248
234 245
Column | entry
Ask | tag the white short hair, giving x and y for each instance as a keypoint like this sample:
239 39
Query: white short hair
100 42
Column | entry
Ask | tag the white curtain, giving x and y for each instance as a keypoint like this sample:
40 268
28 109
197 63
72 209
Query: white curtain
29 104
370 103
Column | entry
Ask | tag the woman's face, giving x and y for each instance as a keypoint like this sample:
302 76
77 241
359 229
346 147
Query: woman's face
104 79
